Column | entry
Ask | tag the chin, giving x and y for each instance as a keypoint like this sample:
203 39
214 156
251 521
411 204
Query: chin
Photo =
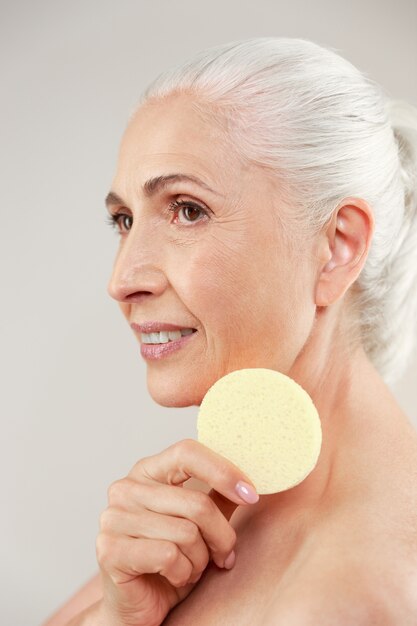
173 395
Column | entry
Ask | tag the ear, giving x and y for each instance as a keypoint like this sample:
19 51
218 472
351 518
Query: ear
344 248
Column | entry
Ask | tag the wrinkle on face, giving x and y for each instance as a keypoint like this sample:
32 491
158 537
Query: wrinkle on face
232 275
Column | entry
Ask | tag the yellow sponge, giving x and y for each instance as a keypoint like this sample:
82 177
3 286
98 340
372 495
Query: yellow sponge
265 423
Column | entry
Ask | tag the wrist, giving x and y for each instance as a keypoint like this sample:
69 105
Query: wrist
98 615
91 616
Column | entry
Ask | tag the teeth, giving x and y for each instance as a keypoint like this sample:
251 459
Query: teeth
164 336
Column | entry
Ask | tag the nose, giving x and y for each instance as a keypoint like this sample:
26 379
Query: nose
137 271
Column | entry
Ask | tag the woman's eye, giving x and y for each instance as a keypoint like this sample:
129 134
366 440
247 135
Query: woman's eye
121 222
187 212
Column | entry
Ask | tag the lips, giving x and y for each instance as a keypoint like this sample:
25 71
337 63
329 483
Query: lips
158 351
155 327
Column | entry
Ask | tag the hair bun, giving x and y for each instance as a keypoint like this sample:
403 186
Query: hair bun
403 118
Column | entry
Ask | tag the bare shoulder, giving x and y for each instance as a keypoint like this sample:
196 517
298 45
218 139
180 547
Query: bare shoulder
352 602
362 571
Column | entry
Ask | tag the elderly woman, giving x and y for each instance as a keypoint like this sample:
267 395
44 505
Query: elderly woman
265 199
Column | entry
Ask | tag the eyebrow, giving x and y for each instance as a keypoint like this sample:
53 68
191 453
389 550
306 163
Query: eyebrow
157 184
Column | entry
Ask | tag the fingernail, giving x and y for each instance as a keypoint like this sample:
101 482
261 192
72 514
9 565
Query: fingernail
230 561
246 492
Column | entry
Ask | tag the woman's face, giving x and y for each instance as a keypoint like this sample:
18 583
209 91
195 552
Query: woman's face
219 266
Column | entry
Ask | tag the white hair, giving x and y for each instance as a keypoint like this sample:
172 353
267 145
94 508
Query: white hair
326 131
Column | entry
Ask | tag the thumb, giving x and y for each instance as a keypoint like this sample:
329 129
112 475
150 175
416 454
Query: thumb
225 505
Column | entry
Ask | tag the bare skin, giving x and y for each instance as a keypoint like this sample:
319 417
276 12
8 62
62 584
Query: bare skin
335 547
340 548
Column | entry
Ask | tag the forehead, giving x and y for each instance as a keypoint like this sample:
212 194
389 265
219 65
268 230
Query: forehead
172 135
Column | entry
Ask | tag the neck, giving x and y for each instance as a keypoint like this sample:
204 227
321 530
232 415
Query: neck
351 399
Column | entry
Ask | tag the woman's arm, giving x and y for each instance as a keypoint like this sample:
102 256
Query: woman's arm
87 596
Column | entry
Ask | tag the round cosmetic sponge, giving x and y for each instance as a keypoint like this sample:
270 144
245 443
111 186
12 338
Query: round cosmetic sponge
265 423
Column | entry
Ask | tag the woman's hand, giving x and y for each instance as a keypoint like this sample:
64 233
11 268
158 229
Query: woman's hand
157 538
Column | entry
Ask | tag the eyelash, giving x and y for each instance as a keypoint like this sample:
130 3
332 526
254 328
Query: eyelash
114 219
179 204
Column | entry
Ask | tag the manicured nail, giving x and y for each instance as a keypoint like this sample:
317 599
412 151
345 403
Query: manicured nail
246 492
230 561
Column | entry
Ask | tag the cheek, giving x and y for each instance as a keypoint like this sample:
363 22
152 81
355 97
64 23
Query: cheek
227 286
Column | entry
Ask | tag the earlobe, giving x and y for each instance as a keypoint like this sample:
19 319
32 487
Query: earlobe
346 242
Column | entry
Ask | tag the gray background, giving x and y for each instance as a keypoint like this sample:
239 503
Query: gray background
75 411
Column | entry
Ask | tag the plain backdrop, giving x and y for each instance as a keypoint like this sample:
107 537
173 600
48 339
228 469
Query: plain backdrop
76 414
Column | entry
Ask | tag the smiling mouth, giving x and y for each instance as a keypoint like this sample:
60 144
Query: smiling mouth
165 336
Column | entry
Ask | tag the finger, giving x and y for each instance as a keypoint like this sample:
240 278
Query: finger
149 525
193 505
226 506
187 458
125 558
